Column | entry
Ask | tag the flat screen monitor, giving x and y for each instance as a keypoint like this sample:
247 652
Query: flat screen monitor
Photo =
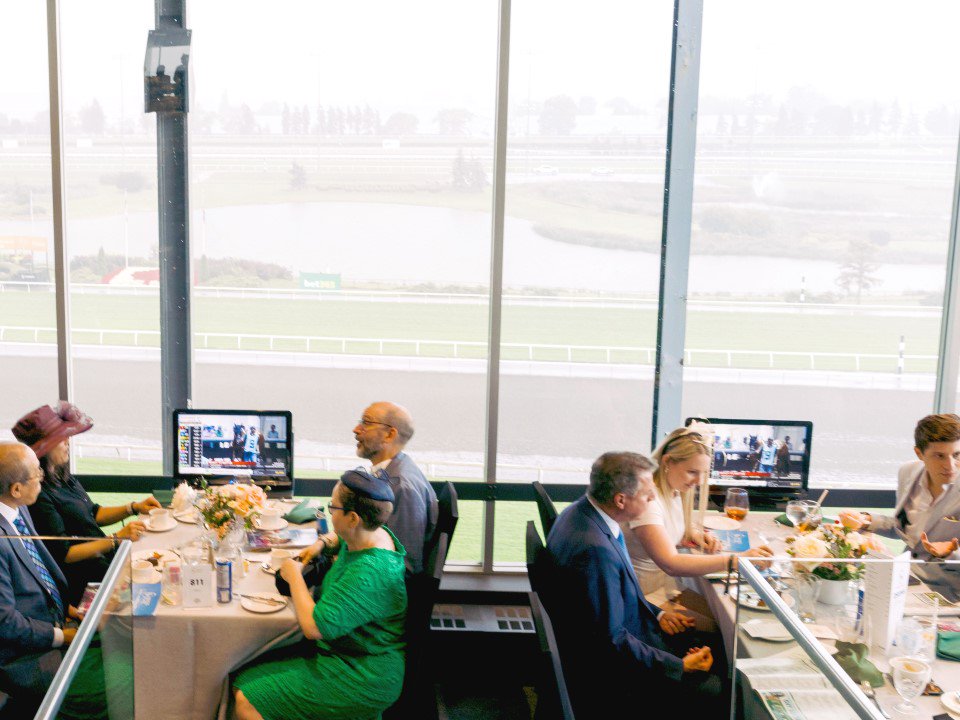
220 445
770 456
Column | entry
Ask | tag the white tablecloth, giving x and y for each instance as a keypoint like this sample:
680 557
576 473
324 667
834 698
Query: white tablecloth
182 655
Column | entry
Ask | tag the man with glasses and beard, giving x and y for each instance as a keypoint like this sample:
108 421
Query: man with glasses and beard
382 433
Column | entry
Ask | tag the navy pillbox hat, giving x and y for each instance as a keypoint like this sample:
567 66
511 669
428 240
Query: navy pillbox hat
362 482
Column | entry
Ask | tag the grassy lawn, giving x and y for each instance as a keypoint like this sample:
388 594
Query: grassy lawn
750 330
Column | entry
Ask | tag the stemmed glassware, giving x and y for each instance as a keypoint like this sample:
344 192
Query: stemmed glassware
910 678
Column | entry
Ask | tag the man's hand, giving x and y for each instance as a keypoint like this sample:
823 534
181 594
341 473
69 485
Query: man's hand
673 622
291 569
73 613
132 530
68 634
939 549
698 660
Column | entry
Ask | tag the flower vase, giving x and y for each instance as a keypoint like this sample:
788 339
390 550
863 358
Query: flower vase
834 592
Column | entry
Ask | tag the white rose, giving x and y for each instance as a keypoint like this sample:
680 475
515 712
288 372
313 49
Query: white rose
856 540
808 546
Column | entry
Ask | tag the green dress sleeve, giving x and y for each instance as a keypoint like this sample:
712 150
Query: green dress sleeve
366 591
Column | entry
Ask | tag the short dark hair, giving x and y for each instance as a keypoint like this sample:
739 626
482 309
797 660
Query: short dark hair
618 472
936 428
373 513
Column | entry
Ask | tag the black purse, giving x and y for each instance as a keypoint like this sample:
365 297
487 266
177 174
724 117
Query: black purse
313 574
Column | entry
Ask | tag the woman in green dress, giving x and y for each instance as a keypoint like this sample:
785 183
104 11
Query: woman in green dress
356 668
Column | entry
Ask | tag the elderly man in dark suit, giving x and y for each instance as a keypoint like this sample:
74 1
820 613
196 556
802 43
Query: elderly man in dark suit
32 590
618 650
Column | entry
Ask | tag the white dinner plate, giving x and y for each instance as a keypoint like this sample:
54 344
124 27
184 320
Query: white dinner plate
165 556
148 524
283 525
258 607
720 522
752 600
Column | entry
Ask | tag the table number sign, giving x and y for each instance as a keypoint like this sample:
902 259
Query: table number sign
198 585
884 595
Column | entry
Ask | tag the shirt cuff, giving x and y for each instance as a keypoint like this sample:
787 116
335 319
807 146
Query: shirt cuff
57 637
660 615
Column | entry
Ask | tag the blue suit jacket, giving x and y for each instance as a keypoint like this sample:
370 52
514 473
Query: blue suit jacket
606 629
27 609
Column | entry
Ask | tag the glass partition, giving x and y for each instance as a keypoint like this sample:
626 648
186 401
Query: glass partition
844 638
95 678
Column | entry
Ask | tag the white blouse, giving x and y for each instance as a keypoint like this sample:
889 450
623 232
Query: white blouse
657 586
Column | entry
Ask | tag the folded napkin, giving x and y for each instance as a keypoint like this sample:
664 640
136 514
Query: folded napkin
164 497
852 657
948 645
301 513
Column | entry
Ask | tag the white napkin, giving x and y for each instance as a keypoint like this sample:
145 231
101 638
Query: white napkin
184 497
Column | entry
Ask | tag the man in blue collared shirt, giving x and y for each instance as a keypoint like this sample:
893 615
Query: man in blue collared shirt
32 589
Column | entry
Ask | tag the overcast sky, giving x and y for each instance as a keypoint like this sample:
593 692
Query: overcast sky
422 55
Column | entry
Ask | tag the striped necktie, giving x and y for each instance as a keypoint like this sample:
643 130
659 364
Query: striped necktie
38 562
623 543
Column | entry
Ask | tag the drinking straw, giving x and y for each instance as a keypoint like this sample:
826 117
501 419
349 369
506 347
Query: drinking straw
822 496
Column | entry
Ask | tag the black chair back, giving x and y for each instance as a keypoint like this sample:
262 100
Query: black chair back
538 562
553 700
447 517
548 511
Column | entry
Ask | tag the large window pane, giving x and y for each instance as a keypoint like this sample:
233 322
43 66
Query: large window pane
341 221
822 209
581 269
28 321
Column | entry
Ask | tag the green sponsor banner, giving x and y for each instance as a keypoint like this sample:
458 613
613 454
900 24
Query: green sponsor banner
320 281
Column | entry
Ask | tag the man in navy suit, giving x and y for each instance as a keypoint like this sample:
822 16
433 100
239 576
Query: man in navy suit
618 650
32 590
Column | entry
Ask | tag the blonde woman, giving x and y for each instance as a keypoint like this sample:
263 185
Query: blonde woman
652 539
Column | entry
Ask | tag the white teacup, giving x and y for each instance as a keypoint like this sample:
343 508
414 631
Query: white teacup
270 519
160 518
278 555
143 571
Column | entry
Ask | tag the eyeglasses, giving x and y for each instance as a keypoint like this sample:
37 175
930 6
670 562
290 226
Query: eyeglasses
330 506
367 423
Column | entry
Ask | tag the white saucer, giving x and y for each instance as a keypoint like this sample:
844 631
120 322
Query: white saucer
720 522
268 568
752 600
283 524
951 701
190 517
263 608
148 524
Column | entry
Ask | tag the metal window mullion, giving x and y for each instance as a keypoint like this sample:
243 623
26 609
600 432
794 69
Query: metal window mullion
496 279
677 217
60 262
948 355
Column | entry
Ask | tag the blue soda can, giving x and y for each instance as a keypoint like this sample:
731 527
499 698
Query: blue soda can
224 581
323 527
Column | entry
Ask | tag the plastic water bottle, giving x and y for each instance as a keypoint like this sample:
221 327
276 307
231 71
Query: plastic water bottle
323 527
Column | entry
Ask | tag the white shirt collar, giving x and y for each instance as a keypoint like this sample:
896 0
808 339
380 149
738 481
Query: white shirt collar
9 514
381 465
611 523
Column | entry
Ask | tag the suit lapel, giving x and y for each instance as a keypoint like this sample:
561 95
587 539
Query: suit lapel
601 524
21 551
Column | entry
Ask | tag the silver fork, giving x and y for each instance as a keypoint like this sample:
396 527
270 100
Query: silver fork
872 694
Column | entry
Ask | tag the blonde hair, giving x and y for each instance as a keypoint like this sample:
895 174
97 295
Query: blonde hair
680 445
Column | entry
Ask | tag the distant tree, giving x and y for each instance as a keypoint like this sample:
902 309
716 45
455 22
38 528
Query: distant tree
834 120
285 120
558 115
453 121
321 121
587 106
621 106
912 126
723 127
305 120
298 176
246 123
92 119
401 124
467 174
856 272
894 118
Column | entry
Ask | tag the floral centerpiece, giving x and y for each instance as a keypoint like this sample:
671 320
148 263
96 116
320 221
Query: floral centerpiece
816 548
221 505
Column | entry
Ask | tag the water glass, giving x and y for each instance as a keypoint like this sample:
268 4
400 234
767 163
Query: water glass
796 511
910 678
737 503
852 627
806 591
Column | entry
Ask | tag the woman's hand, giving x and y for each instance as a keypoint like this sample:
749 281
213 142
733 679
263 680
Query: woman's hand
132 530
939 549
310 552
763 551
290 570
145 506
711 543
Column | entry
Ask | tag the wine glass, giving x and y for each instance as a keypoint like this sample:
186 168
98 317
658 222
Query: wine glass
812 518
796 511
737 503
910 678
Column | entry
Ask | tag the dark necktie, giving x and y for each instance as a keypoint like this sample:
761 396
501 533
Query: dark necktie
38 562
